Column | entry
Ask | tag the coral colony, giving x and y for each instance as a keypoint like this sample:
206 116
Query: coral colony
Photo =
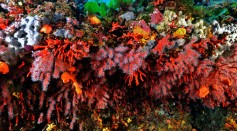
61 61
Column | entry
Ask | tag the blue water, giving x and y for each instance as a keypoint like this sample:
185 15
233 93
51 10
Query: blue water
106 1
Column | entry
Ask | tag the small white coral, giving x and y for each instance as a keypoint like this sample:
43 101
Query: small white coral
169 16
183 21
200 29
230 30
231 37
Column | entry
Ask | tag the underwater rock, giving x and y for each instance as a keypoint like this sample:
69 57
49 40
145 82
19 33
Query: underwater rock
205 119
63 33
128 16
57 16
28 34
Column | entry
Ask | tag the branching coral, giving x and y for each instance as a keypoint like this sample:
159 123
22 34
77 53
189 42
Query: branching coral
42 67
174 71
67 50
221 81
52 60
163 44
103 60
128 60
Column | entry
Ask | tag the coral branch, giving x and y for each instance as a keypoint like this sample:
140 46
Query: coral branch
42 67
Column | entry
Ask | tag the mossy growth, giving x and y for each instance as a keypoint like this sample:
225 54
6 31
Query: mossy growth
115 4
103 9
233 5
93 7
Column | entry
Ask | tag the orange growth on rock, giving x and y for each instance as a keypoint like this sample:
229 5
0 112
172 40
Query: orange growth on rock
66 77
203 91
141 32
94 20
46 29
4 69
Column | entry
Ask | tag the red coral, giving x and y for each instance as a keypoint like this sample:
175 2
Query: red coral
102 97
66 50
5 100
173 72
98 95
129 60
101 38
116 26
163 44
59 67
42 67
167 70
157 2
131 37
140 30
57 54
201 46
3 23
135 76
103 60
14 11
159 86
221 82
70 51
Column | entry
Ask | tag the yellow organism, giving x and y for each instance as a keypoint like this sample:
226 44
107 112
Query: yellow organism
94 20
16 94
50 127
180 33
139 31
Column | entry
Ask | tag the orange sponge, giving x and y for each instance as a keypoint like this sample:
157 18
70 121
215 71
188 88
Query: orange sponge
4 69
